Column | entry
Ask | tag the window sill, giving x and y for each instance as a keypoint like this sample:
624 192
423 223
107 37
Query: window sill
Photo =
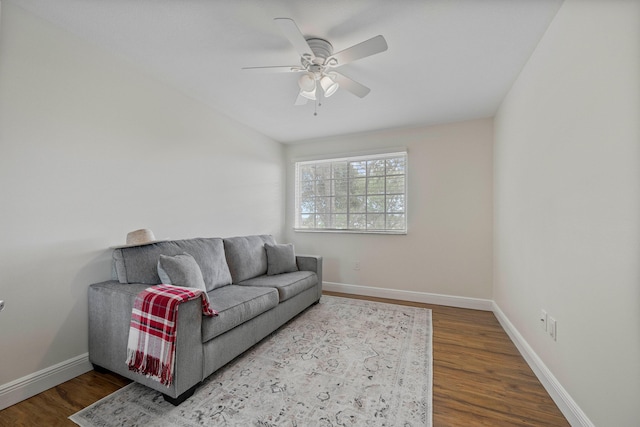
337 231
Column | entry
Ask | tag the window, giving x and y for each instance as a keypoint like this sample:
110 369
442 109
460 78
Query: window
365 194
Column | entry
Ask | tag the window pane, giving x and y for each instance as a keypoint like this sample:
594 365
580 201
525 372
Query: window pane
307 172
323 221
323 171
308 205
323 204
340 187
375 222
323 188
308 188
396 166
340 221
358 186
375 204
307 221
395 203
375 167
395 184
341 204
375 185
339 170
396 222
358 222
357 169
357 204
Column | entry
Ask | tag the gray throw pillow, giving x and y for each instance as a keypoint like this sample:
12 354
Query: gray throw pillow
180 270
280 259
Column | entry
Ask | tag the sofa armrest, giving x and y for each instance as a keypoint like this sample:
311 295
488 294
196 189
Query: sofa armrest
311 263
110 306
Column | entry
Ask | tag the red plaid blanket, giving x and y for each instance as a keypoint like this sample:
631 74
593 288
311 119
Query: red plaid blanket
153 328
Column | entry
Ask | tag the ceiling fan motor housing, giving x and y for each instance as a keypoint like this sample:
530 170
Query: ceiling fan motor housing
321 48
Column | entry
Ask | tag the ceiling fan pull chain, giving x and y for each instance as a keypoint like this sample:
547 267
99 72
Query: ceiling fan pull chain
316 102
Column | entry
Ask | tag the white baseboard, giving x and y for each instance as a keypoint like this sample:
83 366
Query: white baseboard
423 297
30 385
566 404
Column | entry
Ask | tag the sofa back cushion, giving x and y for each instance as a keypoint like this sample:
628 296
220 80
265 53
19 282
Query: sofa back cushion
246 256
139 264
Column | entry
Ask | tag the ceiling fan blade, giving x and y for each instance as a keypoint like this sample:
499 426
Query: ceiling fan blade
369 47
351 85
275 69
294 35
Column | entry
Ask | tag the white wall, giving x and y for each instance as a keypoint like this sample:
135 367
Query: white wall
448 248
91 148
567 205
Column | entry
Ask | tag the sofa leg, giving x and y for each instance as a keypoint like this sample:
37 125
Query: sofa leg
100 369
175 401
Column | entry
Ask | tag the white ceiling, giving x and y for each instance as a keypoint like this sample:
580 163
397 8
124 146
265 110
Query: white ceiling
448 60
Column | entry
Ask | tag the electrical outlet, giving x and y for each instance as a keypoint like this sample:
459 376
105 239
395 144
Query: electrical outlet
553 328
356 265
543 320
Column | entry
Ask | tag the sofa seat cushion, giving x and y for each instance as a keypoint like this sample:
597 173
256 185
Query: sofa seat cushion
287 284
236 305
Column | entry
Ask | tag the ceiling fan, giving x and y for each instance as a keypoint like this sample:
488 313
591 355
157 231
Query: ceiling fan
318 63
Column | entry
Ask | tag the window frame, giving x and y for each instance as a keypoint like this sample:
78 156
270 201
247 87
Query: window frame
368 174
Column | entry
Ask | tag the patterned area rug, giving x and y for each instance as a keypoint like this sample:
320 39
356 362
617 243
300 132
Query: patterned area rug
343 362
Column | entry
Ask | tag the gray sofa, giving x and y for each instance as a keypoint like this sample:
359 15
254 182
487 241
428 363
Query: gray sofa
251 304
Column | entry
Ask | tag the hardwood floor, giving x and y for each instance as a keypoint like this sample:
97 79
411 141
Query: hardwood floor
52 407
479 379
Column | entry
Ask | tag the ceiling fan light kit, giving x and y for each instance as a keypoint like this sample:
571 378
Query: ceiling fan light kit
318 61
308 94
307 82
328 86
